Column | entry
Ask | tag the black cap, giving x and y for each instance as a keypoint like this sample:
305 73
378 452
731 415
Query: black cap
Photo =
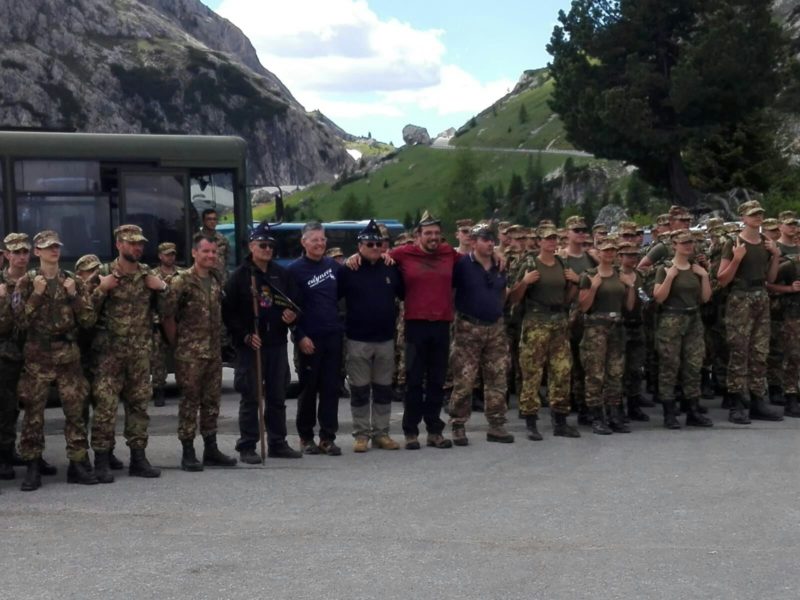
261 233
370 233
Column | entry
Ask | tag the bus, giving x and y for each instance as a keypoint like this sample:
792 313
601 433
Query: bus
84 185
341 234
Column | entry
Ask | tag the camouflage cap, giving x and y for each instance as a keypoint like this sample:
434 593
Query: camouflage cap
46 239
17 241
681 235
87 262
513 230
129 233
384 231
750 208
465 223
770 225
503 225
677 211
628 248
575 222
334 252
627 227
714 223
788 217
662 220
167 248
607 244
546 223
599 227
546 231
732 227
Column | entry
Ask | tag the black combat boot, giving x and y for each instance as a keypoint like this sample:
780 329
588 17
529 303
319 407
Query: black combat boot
599 423
81 472
189 460
670 418
695 418
738 409
585 416
792 407
113 462
140 466
7 463
212 455
158 396
17 459
760 410
530 425
706 384
33 477
616 419
635 412
561 428
46 469
102 467
776 395
727 401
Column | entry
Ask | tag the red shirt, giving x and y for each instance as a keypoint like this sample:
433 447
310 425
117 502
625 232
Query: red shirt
428 280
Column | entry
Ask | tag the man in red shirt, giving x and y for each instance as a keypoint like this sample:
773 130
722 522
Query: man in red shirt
427 270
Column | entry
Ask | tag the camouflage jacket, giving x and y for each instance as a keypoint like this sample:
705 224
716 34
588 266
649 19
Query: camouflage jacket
11 338
125 311
167 277
52 320
197 310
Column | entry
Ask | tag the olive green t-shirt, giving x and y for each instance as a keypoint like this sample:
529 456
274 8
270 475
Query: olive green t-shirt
753 267
610 296
788 250
580 264
549 290
685 291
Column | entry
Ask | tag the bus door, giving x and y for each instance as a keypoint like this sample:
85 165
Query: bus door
158 202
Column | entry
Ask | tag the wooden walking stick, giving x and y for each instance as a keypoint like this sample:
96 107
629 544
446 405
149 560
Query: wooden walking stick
259 377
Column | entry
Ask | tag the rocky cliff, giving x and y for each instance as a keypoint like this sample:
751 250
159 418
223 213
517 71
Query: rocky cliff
156 66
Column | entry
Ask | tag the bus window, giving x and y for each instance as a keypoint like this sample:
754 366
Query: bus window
156 203
212 190
52 176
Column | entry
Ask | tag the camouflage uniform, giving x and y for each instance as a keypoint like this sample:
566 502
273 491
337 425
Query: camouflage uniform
196 305
513 322
603 356
400 347
679 340
51 355
121 358
11 340
158 359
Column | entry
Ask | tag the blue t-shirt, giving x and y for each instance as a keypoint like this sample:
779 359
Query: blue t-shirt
318 285
480 294
370 294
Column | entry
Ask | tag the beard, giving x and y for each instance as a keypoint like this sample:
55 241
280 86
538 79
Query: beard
130 257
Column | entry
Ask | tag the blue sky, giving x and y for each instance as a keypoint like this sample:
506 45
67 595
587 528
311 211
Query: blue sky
376 65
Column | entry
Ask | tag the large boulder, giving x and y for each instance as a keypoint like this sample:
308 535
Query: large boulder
415 135
611 214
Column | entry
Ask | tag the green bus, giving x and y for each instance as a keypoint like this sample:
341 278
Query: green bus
83 185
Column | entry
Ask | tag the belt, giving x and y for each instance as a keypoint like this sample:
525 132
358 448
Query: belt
603 318
679 311
756 291
541 315
475 321
547 308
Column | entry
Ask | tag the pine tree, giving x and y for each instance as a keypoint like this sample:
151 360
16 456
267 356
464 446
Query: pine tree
523 114
462 198
350 210
367 209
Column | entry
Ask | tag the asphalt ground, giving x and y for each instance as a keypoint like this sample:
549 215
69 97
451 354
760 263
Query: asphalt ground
652 514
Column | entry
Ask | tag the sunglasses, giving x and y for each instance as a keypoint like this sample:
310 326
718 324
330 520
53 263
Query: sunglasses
629 235
373 244
265 245
581 230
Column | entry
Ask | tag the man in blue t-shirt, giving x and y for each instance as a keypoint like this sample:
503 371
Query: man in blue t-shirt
370 295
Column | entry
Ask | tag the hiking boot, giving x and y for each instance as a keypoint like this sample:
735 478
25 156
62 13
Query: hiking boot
670 418
497 433
694 418
437 440
761 411
283 450
384 442
102 467
330 448
460 435
309 447
189 460
113 462
561 428
81 472
599 423
776 396
616 419
249 457
412 442
635 413
140 466
212 456
530 425
738 410
33 477
361 444
792 407
158 396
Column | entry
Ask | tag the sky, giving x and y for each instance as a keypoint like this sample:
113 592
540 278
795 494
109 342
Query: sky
374 66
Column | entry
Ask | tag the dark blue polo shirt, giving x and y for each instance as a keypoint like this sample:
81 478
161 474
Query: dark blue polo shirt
370 294
480 294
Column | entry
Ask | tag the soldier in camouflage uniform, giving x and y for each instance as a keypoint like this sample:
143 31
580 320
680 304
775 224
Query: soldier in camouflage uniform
50 305
121 352
167 253
746 266
680 288
770 229
513 317
604 292
192 319
480 344
209 229
716 335
546 286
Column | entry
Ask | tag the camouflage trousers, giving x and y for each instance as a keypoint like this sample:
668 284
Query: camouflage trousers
513 327
399 377
10 371
681 348
578 376
121 371
479 350
634 360
748 326
544 347
649 323
34 388
603 357
791 365
200 381
776 355
158 359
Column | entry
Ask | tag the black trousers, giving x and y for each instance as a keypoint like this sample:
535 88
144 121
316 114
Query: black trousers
275 372
320 375
427 350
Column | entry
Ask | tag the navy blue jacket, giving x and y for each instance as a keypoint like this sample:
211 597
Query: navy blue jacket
370 294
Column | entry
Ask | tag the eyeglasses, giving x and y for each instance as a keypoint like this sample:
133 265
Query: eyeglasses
265 245
373 244
581 230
